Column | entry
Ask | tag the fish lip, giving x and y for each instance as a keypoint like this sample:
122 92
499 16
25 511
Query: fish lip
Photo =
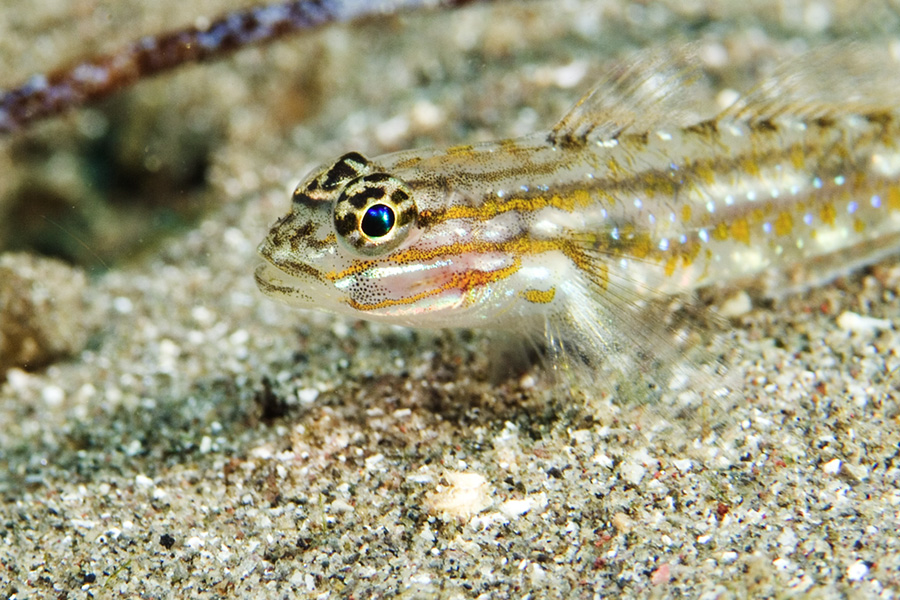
274 281
266 276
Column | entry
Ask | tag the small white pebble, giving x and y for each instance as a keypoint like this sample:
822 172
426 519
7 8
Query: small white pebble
736 305
205 444
123 305
341 506
467 495
134 448
142 481
53 395
297 578
602 460
781 563
513 509
427 534
729 557
374 461
340 329
703 539
202 315
570 75
426 115
857 571
683 464
727 97
307 395
392 131
263 452
18 379
632 472
527 381
832 467
239 337
194 543
855 323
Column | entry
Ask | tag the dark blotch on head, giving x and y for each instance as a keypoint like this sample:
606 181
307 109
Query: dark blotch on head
345 225
355 157
376 177
399 197
304 230
341 171
301 198
360 199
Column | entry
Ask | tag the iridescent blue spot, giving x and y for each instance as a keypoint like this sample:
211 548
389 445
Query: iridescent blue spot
875 201
767 227
703 235
839 180
664 244
378 221
851 207
808 218
817 183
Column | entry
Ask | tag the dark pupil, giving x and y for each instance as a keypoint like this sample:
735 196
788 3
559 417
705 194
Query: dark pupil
378 221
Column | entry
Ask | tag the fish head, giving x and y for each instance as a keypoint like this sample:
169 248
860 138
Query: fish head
356 243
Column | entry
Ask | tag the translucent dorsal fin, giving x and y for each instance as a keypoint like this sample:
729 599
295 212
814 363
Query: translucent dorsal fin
827 82
657 89
651 90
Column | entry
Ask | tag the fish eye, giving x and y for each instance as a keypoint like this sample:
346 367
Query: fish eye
374 214
378 221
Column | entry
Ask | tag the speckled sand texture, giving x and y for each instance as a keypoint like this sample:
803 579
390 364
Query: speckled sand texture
200 441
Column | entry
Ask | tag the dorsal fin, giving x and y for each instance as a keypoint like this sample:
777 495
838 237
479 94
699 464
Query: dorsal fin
652 89
824 83
658 89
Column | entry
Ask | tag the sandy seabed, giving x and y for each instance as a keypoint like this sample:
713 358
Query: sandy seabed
189 438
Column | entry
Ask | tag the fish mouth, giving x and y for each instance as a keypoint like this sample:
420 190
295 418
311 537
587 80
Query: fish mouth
277 283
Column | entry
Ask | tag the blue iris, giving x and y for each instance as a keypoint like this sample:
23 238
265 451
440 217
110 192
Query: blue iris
378 221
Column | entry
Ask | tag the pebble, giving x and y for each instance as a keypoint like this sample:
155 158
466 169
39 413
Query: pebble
43 312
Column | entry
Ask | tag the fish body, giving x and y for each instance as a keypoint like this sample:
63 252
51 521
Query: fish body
578 227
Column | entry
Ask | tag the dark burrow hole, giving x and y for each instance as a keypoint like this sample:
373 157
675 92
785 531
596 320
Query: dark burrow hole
97 201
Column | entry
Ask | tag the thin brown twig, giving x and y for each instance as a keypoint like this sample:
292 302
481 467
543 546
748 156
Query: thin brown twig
91 79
